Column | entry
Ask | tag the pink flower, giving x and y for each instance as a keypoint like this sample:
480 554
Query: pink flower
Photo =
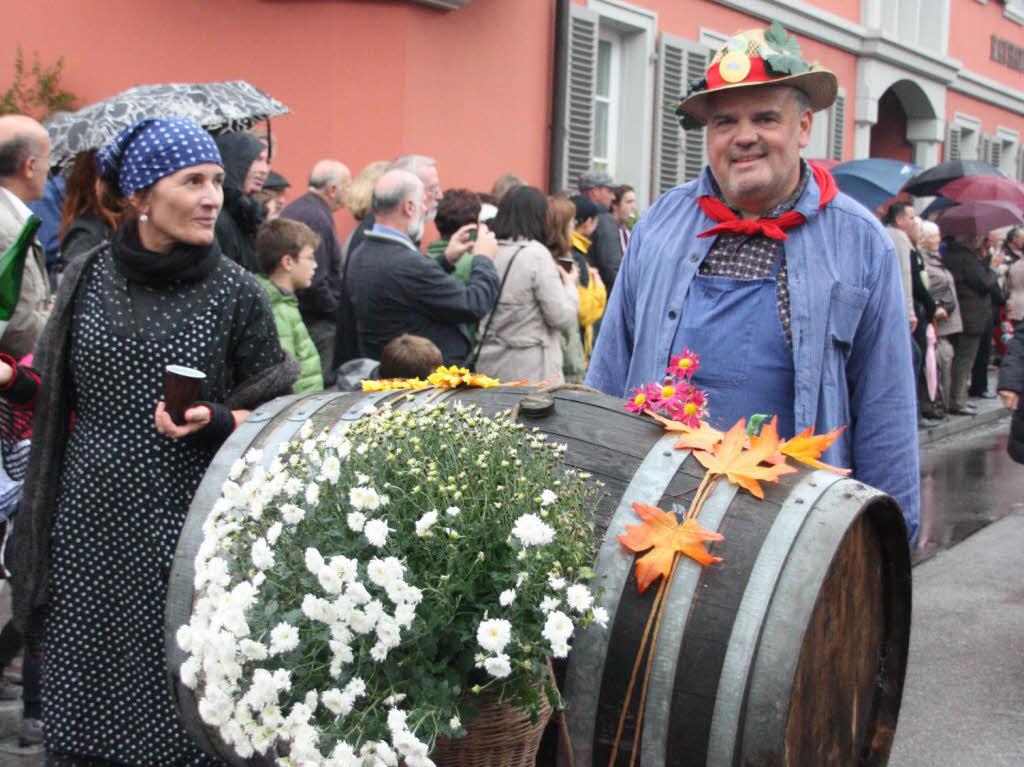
666 397
691 408
639 402
684 365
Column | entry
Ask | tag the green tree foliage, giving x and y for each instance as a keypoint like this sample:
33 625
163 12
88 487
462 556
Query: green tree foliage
36 90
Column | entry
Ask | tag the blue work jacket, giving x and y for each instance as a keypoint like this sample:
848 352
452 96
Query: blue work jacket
850 336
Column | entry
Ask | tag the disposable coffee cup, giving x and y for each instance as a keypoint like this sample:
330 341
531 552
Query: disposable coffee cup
181 387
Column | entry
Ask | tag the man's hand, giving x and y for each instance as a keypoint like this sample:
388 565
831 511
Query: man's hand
941 314
1011 399
486 243
460 243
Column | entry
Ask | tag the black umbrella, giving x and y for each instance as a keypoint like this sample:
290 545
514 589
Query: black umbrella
218 107
928 182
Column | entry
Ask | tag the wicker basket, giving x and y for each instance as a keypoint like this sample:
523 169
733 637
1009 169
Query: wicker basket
501 736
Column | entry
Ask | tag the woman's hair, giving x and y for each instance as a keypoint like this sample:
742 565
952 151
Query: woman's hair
360 194
522 214
929 229
561 212
80 196
409 356
112 203
457 208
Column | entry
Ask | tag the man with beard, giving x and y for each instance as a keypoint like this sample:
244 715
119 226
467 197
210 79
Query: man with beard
394 289
787 289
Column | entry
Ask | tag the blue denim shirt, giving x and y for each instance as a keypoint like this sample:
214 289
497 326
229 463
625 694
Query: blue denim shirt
851 339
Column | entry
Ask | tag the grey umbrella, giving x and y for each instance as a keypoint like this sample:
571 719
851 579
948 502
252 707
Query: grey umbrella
218 107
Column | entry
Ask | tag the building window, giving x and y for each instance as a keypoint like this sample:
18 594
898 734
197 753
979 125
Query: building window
606 103
917 23
963 139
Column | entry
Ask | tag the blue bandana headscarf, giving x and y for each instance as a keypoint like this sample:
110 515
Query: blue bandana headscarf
150 149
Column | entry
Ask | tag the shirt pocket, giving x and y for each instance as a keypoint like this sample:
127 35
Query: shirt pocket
846 305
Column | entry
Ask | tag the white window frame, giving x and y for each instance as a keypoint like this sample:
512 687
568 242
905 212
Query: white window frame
1009 141
608 162
970 135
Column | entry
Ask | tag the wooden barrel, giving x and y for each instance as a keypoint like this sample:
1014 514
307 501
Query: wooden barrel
792 651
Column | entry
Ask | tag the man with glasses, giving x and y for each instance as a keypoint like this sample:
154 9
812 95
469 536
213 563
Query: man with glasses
24 166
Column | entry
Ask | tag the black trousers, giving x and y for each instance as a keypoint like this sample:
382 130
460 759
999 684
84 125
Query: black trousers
979 370
11 643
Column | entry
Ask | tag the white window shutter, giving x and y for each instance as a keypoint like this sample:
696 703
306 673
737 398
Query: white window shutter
679 156
952 148
1020 164
581 80
837 127
995 151
984 147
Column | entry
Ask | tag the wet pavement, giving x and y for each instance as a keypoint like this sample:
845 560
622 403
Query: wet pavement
963 703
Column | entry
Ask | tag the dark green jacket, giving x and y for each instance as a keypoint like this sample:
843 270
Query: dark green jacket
294 337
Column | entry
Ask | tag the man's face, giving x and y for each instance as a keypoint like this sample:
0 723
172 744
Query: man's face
602 195
907 222
1018 240
340 196
754 140
257 173
626 207
431 191
39 162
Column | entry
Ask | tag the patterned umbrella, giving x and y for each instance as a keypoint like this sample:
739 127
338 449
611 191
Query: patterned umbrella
218 107
979 217
928 182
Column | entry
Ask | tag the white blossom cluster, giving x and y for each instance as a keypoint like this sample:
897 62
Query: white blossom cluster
352 607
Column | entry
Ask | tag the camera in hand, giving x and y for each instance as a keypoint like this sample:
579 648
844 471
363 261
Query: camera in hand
566 264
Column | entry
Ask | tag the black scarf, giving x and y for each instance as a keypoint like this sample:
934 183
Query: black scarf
185 263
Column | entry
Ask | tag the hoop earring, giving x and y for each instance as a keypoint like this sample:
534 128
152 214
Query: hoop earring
143 218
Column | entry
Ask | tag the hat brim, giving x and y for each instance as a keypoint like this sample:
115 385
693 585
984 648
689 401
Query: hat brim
821 87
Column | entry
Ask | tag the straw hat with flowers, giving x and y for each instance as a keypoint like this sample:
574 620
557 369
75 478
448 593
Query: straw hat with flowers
757 57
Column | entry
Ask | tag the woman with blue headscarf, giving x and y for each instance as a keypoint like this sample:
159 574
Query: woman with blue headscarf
107 489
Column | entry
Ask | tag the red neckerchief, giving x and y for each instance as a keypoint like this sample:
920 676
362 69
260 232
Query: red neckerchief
774 228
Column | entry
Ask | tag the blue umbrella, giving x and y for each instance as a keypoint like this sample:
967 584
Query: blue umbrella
936 205
873 181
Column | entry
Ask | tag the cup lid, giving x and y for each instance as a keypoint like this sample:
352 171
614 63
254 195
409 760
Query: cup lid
181 370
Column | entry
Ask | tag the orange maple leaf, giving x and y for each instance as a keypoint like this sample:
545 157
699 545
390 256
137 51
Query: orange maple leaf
703 438
667 537
743 467
807 447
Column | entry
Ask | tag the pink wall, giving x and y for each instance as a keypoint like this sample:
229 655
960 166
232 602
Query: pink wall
366 80
971 27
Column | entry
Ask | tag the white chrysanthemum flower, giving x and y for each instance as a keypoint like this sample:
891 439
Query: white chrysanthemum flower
330 469
189 672
292 514
531 530
314 560
306 431
548 497
330 580
494 634
363 497
292 486
312 494
356 687
360 622
579 598
452 511
557 627
346 568
559 649
184 637
376 532
379 573
362 479
508 596
334 701
236 469
405 614
252 650
498 667
601 617
388 632
284 637
274 532
357 593
555 583
549 603
253 456
262 556
355 520
455 723
424 523
379 652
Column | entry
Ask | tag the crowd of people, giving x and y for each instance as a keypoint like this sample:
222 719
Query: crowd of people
963 298
174 247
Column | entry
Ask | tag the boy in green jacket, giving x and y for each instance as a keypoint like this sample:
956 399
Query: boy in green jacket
285 252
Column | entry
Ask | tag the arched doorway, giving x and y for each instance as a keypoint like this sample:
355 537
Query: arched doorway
906 120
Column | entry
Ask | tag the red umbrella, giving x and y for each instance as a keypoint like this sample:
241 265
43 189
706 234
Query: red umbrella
984 189
979 217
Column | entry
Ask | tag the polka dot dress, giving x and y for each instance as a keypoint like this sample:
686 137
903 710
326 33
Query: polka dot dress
123 494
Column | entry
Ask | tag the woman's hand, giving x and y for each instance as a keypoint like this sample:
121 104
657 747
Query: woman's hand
196 418
6 373
571 277
1011 399
941 314
596 276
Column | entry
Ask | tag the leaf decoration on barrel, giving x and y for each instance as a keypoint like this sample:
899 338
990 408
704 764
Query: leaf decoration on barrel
807 448
666 537
743 467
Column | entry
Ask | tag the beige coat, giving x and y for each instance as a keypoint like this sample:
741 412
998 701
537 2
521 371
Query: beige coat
533 309
1015 291
32 310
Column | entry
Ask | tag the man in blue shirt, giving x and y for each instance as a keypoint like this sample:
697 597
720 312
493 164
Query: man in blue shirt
793 300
